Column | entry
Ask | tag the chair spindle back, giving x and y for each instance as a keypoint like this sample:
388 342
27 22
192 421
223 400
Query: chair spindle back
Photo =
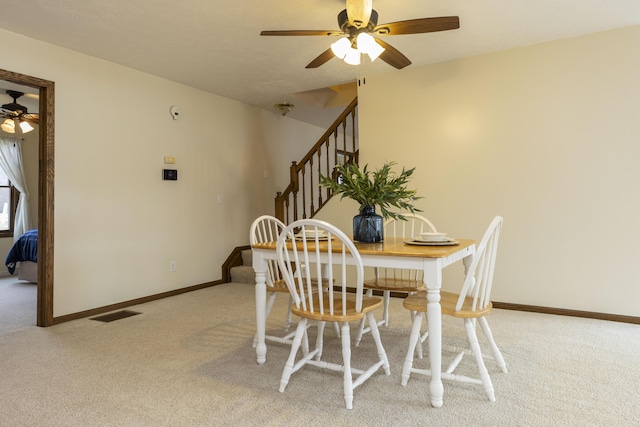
412 227
267 228
340 264
479 279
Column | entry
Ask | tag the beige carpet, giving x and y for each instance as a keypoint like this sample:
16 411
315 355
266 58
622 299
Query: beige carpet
18 308
188 361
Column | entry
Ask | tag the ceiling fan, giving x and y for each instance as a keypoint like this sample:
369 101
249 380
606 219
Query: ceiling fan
358 26
16 114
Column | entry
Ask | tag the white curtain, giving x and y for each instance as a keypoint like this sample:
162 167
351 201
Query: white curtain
11 163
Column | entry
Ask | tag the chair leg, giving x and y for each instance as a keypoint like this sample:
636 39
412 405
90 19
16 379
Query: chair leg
469 325
305 341
288 367
375 333
494 348
287 319
320 339
361 328
346 361
385 313
419 346
414 338
336 327
270 301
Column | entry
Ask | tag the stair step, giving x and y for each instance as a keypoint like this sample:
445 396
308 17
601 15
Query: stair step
243 274
247 257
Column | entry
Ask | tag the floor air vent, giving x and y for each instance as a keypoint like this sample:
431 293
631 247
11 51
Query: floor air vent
117 315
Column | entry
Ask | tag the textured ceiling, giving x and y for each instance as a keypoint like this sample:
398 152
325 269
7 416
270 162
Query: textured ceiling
215 45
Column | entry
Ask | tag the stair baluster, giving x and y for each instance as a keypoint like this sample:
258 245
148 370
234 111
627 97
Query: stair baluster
340 143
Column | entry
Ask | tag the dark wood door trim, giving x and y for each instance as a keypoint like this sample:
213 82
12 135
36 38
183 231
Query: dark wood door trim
45 191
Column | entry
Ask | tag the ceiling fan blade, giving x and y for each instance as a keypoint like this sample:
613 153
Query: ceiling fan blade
8 113
302 33
31 118
359 12
393 56
417 26
321 59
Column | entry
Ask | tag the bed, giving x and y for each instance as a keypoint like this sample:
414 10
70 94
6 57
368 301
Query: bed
25 252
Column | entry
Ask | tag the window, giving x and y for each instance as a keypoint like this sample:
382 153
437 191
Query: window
8 202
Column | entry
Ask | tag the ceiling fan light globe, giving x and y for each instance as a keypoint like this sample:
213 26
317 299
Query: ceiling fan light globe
352 57
26 127
341 47
375 51
365 42
8 126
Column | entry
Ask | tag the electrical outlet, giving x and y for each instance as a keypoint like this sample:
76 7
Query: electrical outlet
172 266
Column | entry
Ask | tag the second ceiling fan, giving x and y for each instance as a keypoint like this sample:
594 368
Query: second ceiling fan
358 26
15 115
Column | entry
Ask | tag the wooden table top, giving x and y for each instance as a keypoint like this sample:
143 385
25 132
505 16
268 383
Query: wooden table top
394 246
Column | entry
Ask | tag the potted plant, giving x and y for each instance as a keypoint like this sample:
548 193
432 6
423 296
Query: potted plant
370 189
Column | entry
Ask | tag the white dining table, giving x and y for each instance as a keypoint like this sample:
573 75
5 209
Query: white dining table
392 253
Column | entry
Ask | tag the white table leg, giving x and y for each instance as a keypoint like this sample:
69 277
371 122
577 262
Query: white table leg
433 281
434 321
260 267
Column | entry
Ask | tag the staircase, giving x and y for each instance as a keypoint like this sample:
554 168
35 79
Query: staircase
244 273
304 197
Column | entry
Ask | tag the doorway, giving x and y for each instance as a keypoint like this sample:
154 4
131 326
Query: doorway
45 191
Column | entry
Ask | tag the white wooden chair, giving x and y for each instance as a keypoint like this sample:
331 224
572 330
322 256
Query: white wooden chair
396 280
472 304
312 301
267 228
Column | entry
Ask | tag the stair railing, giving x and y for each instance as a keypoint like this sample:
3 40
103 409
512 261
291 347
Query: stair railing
304 197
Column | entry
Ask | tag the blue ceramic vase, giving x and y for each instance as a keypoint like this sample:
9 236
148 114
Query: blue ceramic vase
368 226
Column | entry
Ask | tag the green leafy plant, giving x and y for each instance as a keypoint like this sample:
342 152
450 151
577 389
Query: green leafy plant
381 187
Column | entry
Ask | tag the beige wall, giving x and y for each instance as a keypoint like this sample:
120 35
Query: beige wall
545 135
117 224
